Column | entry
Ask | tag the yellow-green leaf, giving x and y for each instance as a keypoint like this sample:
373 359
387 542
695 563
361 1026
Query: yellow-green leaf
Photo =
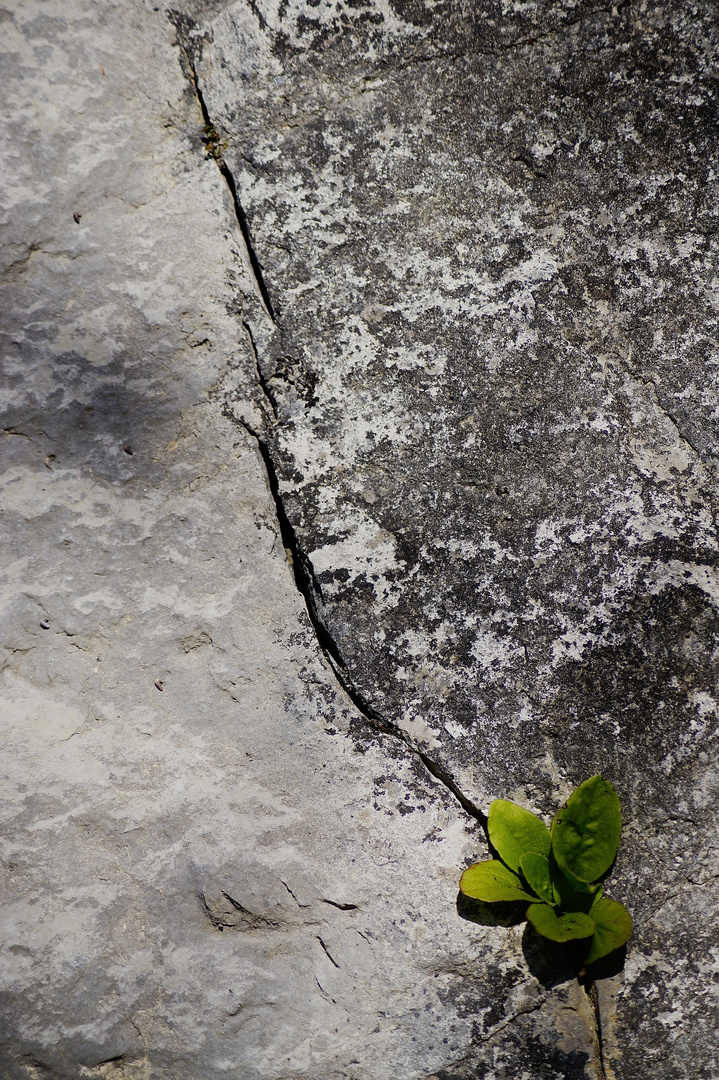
491 881
573 926
514 831
585 832
574 894
536 872
614 928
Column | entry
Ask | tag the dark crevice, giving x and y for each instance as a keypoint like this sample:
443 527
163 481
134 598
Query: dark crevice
237 905
306 584
244 229
301 565
289 890
324 992
264 385
340 907
446 778
451 1069
329 955
593 995
302 568
212 142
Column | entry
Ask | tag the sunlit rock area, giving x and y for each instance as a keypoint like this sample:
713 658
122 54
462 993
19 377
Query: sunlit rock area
359 453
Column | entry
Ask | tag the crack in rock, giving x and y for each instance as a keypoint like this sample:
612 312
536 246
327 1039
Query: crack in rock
504 540
184 25
303 571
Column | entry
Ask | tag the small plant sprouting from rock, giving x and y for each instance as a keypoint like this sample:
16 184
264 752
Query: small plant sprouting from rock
557 871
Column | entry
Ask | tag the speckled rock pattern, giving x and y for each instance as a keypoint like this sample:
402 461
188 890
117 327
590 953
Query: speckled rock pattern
472 336
201 877
488 238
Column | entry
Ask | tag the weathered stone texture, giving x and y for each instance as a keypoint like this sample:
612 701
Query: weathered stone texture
486 384
488 234
198 881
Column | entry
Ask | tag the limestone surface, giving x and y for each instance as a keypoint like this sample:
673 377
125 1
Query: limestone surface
358 466
487 235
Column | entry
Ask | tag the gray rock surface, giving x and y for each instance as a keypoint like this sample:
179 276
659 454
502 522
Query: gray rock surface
473 337
488 237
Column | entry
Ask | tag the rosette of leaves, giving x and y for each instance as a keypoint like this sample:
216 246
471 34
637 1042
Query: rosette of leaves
557 871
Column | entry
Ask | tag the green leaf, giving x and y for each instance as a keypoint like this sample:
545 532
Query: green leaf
614 928
573 894
491 881
536 872
573 926
585 832
514 831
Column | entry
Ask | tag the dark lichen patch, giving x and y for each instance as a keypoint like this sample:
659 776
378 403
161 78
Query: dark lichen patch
483 1000
636 691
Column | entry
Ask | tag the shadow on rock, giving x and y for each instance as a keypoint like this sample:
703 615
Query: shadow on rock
553 963
607 967
550 962
545 1062
510 913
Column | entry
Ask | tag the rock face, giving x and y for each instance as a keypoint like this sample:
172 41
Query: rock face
359 404
488 239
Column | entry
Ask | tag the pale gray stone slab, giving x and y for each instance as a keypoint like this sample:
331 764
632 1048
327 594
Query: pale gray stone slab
237 874
202 876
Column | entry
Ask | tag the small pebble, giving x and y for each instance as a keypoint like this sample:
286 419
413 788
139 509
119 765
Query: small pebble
128 449
76 217
158 684
45 624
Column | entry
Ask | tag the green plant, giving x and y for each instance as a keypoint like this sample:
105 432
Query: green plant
557 871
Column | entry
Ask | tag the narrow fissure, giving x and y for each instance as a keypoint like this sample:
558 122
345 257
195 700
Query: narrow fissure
264 385
328 954
340 907
212 142
301 566
593 995
303 572
306 585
